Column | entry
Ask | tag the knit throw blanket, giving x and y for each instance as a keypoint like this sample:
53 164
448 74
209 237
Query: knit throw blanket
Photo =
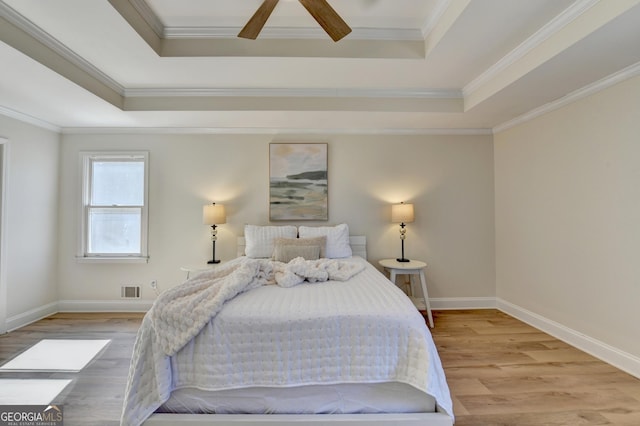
180 313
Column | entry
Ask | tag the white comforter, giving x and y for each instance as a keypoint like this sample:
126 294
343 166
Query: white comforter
360 331
180 313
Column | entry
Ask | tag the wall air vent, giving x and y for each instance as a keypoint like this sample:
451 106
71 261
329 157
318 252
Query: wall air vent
130 292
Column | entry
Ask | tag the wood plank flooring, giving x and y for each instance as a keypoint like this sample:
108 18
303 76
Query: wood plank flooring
94 398
504 372
500 371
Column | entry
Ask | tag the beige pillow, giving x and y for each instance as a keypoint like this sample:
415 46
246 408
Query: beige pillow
319 242
286 253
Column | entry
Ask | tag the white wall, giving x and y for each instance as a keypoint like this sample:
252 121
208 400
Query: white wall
449 178
568 216
32 219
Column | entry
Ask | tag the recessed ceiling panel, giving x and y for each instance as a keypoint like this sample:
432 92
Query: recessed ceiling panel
487 31
96 43
290 13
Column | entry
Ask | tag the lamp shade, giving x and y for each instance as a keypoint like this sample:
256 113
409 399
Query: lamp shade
213 214
402 213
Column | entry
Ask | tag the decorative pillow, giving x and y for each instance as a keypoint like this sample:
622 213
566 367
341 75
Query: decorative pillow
337 238
320 242
260 240
286 253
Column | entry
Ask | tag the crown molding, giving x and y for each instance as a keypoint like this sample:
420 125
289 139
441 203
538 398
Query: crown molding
25 118
24 24
273 131
552 27
149 16
294 33
296 92
297 33
432 20
588 90
294 99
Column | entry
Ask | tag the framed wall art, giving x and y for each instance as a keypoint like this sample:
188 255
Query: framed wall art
298 185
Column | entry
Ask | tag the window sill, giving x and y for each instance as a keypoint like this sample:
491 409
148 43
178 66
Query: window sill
112 259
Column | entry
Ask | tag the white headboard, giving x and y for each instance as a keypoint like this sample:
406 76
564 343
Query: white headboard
358 245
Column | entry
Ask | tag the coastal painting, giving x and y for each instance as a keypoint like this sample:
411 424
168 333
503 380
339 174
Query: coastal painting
298 185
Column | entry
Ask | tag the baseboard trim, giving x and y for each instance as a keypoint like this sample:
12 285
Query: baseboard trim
104 305
607 353
450 303
32 315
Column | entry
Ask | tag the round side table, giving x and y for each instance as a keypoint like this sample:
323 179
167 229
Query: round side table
411 268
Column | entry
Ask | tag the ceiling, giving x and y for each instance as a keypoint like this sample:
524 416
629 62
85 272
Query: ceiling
409 66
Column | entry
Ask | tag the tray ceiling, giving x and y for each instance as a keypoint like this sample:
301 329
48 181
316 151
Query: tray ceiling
408 66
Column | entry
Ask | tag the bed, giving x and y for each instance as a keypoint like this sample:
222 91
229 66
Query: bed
353 351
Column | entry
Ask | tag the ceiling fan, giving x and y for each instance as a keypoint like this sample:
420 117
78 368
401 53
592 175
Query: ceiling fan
321 11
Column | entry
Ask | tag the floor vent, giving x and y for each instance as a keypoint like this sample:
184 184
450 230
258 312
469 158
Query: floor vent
130 292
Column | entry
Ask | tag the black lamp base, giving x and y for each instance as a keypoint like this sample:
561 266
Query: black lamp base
213 260
403 259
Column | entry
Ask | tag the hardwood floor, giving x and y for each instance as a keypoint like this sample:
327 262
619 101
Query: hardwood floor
500 371
504 372
94 398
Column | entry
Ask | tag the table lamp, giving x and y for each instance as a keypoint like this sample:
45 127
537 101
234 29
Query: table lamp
213 215
402 213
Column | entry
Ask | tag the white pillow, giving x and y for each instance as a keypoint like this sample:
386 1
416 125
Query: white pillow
337 238
260 240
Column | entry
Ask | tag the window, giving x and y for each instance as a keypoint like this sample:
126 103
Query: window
114 206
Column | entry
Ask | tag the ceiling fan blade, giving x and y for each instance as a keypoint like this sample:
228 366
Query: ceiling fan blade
257 21
327 18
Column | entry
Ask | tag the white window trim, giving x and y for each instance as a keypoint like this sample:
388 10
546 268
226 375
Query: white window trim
82 256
